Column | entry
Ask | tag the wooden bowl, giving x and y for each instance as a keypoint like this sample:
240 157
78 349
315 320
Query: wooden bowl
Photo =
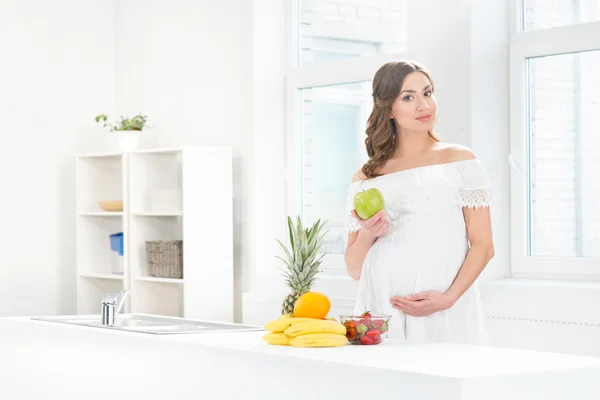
111 205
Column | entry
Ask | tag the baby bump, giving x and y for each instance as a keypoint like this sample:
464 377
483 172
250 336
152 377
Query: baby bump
415 260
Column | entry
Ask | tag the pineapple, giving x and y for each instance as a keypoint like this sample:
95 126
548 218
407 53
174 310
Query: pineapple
301 260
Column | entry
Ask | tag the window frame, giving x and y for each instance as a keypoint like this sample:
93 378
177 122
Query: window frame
522 46
298 77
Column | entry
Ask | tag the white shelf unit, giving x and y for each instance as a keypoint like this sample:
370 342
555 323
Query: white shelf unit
169 194
98 177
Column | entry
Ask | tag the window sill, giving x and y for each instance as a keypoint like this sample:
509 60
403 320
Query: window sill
538 283
568 302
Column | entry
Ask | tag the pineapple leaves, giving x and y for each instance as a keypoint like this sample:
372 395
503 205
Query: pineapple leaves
285 250
290 229
301 258
284 261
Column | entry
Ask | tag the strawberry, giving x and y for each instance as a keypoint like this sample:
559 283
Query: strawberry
350 324
366 319
378 323
351 333
373 333
366 340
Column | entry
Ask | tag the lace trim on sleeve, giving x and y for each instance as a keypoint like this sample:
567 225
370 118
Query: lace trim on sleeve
476 198
352 224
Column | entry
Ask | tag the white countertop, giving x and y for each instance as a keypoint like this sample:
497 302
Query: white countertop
45 342
447 360
439 359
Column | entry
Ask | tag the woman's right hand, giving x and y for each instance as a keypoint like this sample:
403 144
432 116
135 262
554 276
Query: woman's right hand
374 227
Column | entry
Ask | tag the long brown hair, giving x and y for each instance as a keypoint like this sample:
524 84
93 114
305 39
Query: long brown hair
381 130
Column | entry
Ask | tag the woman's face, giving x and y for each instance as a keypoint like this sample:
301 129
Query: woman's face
415 109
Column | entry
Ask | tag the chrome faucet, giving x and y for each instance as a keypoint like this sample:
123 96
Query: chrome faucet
111 305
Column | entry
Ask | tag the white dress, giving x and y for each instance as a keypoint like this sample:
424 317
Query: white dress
424 248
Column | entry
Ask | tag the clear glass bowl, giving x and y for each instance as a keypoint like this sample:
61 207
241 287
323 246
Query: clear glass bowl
366 330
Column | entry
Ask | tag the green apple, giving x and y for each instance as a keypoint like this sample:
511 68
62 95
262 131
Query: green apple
368 202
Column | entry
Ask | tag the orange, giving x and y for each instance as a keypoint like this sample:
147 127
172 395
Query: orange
312 305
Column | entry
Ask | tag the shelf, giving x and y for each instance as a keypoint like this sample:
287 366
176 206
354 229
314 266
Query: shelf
147 229
159 151
154 184
94 253
91 291
99 178
102 276
157 214
159 280
100 155
154 297
101 214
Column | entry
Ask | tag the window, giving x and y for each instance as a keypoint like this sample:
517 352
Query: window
555 139
554 13
333 124
350 29
336 48
564 143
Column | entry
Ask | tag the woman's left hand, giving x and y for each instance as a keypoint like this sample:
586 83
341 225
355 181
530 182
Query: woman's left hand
422 304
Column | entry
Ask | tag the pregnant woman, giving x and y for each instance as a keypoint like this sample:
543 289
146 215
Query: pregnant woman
419 258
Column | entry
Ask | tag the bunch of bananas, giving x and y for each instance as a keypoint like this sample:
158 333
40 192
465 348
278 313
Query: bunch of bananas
305 332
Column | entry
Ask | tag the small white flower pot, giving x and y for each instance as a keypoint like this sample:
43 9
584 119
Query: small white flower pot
128 140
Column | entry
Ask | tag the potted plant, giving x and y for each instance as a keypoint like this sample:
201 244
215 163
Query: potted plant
128 130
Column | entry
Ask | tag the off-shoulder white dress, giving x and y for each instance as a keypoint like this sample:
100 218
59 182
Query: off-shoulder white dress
424 248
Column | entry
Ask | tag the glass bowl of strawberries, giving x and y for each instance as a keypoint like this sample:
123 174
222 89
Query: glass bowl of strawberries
367 328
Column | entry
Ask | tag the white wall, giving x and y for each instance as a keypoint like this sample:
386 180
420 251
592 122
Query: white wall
187 64
489 114
267 186
56 74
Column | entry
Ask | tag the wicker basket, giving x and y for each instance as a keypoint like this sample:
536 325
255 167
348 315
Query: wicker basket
165 258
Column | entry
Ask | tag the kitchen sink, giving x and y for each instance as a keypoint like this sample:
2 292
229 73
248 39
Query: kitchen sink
151 324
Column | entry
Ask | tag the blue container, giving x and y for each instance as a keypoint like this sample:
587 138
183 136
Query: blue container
116 242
